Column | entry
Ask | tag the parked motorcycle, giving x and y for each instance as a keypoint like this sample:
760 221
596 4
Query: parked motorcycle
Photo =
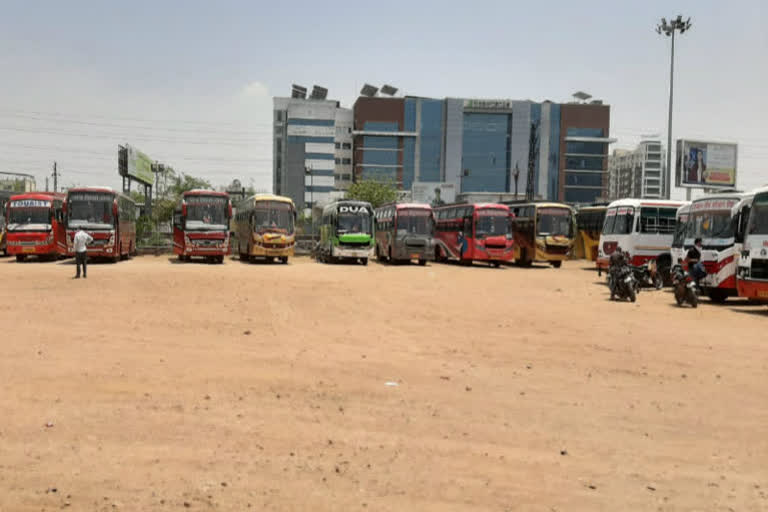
623 284
684 286
646 275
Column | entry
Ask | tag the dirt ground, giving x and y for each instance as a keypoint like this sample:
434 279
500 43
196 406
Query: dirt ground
154 385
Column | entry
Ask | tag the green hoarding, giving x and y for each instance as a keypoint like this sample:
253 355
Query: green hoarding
139 166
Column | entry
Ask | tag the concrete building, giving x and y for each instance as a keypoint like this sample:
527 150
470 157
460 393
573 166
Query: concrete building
482 145
17 182
309 137
640 173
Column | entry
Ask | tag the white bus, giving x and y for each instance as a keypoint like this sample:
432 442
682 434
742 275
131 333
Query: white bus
714 219
678 249
752 279
643 228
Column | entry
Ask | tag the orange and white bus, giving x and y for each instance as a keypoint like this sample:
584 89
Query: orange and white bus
105 214
752 274
36 226
643 228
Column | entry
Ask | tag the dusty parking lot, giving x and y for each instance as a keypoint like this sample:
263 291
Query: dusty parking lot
162 386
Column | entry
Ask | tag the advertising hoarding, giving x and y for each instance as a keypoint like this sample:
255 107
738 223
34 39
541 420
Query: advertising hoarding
433 193
137 165
702 164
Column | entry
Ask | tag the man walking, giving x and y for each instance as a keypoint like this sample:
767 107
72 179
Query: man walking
81 241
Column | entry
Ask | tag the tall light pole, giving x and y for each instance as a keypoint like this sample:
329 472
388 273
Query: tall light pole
308 171
669 29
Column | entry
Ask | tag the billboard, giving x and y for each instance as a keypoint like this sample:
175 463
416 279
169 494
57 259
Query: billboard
135 164
433 193
702 164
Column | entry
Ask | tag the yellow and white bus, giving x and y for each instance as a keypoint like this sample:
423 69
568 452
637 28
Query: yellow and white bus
589 224
265 228
542 231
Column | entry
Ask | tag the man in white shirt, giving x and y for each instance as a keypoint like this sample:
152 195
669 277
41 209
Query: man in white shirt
81 241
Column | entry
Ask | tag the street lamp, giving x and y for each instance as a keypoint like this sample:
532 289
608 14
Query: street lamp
669 29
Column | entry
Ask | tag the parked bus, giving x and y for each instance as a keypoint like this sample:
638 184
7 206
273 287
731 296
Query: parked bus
643 228
543 232
404 232
678 249
105 214
265 228
589 224
473 232
201 225
36 226
713 218
752 279
5 195
346 232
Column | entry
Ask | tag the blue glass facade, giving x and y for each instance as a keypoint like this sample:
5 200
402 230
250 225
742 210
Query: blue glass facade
310 122
584 132
581 195
585 148
588 163
430 139
380 126
536 123
553 182
485 152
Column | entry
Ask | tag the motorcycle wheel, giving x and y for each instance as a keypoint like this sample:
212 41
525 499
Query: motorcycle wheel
693 299
679 297
657 282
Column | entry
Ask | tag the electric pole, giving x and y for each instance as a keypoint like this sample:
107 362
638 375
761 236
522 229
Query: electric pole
55 178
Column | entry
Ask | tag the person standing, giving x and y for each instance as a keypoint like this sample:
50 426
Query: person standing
81 241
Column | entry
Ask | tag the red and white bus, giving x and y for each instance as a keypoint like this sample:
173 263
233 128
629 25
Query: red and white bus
473 232
752 279
404 232
201 225
35 225
644 228
714 218
105 214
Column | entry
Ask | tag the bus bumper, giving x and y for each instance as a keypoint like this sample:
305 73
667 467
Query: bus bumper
271 252
753 289
343 252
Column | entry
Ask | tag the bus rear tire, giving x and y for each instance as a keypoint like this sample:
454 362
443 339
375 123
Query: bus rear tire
284 260
556 264
422 262
718 296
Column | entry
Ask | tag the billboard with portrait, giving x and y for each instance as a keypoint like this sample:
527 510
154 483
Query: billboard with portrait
701 164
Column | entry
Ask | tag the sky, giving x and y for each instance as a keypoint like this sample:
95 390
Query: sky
191 83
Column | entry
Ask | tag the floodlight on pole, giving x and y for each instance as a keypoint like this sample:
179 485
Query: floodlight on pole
669 29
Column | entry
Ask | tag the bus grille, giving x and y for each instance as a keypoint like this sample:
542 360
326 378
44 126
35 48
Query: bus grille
354 245
557 249
415 243
759 269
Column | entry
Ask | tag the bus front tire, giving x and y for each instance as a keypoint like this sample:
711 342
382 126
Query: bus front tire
21 257
556 264
718 296
364 261
284 260
422 262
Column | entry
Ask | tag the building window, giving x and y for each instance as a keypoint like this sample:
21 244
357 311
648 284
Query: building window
279 145
346 145
588 163
578 179
279 115
584 132
585 148
346 161
338 161
338 145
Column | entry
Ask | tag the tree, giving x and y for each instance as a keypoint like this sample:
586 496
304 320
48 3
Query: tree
374 192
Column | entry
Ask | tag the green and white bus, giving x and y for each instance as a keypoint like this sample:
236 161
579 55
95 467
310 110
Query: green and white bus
346 232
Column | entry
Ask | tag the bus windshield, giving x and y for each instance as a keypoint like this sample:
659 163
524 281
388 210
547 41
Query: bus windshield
492 223
274 216
758 219
620 222
29 215
353 223
206 213
554 221
710 224
90 210
680 228
414 222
